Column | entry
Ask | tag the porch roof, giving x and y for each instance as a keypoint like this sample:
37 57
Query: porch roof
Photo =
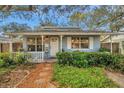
63 31
8 40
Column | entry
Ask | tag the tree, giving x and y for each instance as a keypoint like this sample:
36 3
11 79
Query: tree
102 17
15 27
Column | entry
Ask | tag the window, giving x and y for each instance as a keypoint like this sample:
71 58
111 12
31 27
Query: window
35 44
39 44
79 42
31 44
17 47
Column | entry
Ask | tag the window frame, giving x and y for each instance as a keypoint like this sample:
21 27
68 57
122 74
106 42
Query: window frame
37 42
31 44
80 42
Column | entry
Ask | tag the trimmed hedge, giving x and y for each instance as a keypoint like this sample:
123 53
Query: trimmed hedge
87 59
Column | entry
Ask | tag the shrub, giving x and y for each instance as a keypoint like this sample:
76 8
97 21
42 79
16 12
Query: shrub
7 58
20 58
81 59
118 65
104 50
2 63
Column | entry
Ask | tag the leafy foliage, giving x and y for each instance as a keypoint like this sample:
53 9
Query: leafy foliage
104 50
20 58
15 27
8 59
73 77
1 63
82 59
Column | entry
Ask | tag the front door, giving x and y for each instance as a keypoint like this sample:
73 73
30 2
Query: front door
54 43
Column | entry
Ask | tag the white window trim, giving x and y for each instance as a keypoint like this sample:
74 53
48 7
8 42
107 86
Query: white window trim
91 42
81 48
69 42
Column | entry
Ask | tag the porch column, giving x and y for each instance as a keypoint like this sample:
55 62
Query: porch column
10 45
111 43
42 49
120 47
24 43
61 43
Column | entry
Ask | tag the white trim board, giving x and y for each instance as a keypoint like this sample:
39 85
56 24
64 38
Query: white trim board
91 41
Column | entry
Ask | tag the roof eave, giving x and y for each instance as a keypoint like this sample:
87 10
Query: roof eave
63 33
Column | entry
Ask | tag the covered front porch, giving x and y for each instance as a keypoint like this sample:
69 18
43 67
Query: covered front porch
41 48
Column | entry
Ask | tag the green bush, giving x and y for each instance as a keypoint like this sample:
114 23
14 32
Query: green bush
82 59
20 58
104 50
2 63
7 58
118 65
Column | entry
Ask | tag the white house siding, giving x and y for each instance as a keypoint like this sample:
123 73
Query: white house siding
69 42
96 44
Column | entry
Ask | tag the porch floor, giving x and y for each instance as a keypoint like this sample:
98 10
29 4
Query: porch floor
51 60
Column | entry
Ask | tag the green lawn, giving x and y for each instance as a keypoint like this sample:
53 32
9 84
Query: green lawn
73 77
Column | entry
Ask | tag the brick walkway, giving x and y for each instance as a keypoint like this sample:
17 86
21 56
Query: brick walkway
40 77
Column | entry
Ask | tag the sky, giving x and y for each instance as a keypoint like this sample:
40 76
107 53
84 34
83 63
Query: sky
35 21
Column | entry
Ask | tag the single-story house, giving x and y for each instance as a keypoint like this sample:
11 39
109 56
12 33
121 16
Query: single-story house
47 41
117 41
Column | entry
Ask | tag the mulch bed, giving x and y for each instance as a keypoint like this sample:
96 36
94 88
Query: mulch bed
12 78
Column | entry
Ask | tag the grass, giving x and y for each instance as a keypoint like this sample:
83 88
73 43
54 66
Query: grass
73 77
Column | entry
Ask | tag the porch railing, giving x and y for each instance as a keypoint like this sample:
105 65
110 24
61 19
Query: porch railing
35 57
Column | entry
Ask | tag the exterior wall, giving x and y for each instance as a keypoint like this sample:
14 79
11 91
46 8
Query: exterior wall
94 42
